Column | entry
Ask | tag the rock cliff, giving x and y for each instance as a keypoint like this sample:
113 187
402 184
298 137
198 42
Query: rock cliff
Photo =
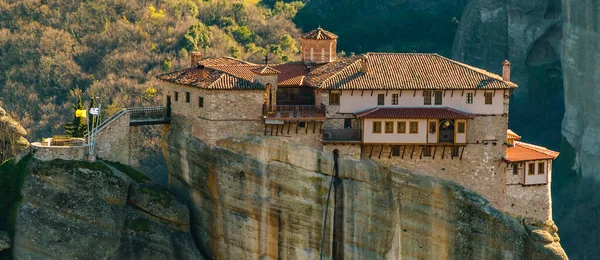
79 210
12 140
260 197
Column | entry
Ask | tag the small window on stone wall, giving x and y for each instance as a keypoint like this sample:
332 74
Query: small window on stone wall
176 96
187 97
200 101
396 150
334 98
302 124
516 169
541 168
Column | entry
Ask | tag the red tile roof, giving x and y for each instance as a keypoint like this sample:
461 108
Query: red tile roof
512 135
528 152
319 34
404 71
291 74
213 79
414 112
266 70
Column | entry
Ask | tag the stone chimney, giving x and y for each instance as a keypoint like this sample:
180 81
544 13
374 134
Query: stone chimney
195 57
364 62
506 70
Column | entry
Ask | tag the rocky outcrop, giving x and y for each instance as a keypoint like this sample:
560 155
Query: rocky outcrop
79 210
260 197
581 61
4 241
12 137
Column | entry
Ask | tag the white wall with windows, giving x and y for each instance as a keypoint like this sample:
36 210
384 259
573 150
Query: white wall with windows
408 131
361 100
537 172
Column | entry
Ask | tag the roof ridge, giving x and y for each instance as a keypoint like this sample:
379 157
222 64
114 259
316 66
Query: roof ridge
537 148
477 70
340 70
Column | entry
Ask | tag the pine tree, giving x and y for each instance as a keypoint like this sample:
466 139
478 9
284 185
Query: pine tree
78 127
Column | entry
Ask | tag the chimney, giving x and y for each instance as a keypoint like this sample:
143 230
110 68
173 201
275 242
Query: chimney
201 73
364 64
195 57
506 70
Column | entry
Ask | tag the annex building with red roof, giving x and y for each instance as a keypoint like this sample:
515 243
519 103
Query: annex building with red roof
419 111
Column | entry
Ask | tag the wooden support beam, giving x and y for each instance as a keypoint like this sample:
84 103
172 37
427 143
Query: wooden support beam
297 126
271 130
362 92
289 126
386 92
412 151
352 92
444 93
452 93
282 126
380 152
320 127
265 129
371 152
452 152
314 127
443 152
415 93
434 151
494 95
400 92
391 150
461 152
475 93
403 149
463 93
371 92
277 131
306 127
422 149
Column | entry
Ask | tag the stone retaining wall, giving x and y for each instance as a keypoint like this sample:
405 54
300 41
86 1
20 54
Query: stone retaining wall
48 153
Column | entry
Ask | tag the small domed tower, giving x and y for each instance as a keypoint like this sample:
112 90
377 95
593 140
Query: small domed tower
318 46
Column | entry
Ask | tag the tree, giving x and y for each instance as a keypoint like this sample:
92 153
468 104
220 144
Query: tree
197 37
77 128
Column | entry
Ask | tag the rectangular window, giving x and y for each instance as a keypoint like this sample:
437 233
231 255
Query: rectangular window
461 128
377 127
334 98
200 101
396 150
432 127
541 168
176 96
427 151
515 169
414 127
455 151
302 124
401 128
389 127
488 98
469 98
380 99
426 97
438 97
187 97
347 123
531 168
394 99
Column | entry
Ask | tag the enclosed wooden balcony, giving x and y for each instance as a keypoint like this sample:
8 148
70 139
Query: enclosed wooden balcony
294 112
342 136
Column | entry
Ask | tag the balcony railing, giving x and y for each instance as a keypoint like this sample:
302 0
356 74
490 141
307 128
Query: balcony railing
342 135
293 112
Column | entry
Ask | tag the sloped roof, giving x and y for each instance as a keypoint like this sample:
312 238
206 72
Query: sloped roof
213 79
404 71
265 70
223 61
528 152
414 112
291 74
319 34
512 135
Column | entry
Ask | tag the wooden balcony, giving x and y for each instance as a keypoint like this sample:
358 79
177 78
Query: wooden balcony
342 136
294 112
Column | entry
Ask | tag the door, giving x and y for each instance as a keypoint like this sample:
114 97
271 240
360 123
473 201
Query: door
168 106
446 131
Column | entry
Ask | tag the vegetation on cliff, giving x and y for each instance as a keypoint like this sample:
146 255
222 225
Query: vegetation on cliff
12 175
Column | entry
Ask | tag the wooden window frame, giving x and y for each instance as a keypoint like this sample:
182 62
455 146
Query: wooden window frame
469 98
346 120
426 97
410 127
541 168
385 124
200 101
394 99
427 151
488 96
382 100
334 98
529 170
374 128
403 124
432 127
438 96
458 126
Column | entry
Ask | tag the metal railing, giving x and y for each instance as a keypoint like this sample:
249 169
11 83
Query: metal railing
342 135
143 114
294 111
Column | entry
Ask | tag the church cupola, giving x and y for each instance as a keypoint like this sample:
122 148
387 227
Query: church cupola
318 46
